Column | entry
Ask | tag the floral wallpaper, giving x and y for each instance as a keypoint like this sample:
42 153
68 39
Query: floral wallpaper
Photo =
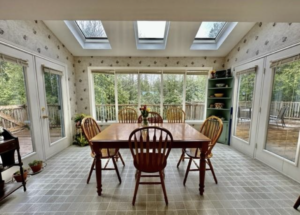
82 64
263 38
35 36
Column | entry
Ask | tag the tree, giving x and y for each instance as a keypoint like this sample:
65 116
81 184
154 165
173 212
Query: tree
92 28
217 27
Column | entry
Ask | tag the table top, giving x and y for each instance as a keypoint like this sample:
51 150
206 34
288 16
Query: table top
120 132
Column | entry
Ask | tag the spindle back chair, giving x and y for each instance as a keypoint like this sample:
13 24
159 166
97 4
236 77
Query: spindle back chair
128 115
153 117
175 115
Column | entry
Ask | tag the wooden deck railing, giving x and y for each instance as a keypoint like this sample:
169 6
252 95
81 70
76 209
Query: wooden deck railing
15 117
108 112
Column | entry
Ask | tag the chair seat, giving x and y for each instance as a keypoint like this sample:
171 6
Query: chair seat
194 153
104 152
152 166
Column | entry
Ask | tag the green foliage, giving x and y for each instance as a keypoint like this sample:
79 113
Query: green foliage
246 87
80 140
35 163
78 117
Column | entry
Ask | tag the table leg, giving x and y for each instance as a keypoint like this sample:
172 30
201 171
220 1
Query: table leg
99 174
202 165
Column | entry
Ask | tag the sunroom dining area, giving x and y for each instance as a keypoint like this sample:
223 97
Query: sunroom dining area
154 108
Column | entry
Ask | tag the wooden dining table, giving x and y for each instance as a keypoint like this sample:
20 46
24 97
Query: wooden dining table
116 136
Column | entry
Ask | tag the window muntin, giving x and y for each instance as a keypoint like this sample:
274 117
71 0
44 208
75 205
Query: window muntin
91 29
209 30
135 89
151 30
283 129
195 96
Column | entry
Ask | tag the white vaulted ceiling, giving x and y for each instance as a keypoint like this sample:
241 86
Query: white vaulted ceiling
122 40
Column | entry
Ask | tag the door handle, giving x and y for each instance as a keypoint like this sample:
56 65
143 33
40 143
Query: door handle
45 117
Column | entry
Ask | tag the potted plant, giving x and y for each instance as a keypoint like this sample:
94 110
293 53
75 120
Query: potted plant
36 165
17 175
78 118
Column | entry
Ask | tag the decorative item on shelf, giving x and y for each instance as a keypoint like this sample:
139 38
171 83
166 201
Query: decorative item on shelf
226 85
220 85
219 94
219 105
212 105
145 112
36 166
17 175
79 138
228 73
1 132
211 96
212 74
222 118
221 74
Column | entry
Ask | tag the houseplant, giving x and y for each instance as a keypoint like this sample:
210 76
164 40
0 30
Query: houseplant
78 118
17 175
145 112
36 165
79 138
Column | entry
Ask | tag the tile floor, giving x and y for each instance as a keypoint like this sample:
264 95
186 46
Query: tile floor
246 186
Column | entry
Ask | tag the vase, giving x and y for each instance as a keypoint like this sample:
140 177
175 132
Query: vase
145 121
1 138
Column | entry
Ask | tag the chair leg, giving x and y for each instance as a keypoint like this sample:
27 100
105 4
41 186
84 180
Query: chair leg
120 156
297 203
116 168
212 170
187 171
136 186
92 168
163 186
181 158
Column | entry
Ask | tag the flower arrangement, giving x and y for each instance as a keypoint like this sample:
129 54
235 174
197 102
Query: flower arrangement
212 74
145 111
78 117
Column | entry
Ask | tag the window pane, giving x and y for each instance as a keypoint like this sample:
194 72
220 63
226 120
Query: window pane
55 106
150 91
92 29
104 87
13 105
173 90
244 106
127 90
209 30
284 121
195 96
151 29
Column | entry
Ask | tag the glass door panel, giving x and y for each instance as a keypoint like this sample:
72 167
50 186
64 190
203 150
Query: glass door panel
14 110
127 90
150 91
284 118
53 90
242 125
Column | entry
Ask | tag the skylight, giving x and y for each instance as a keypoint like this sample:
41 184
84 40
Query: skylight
209 30
151 30
92 29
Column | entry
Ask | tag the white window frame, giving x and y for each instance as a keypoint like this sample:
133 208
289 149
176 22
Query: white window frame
151 44
139 70
216 43
86 43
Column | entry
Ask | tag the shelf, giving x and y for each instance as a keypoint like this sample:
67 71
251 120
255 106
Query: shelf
216 79
9 189
219 98
219 88
218 109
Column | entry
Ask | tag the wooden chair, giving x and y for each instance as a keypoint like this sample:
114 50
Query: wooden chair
175 115
297 203
150 148
128 115
152 118
280 116
212 128
90 128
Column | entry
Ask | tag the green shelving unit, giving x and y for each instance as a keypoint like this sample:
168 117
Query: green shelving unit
226 100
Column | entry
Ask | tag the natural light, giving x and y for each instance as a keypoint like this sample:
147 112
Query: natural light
151 29
209 30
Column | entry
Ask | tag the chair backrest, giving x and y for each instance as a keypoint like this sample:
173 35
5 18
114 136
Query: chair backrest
212 128
127 115
282 112
90 129
150 147
152 118
175 115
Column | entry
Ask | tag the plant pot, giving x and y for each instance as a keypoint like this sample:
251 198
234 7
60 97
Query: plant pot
36 168
18 177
